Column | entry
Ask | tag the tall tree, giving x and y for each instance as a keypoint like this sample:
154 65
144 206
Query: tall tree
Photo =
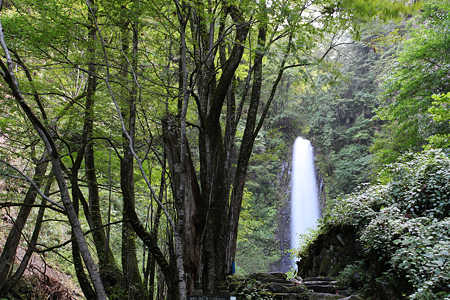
221 34
207 111
10 79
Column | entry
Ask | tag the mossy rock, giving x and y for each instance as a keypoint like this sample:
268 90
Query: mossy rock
327 262
232 286
233 282
252 289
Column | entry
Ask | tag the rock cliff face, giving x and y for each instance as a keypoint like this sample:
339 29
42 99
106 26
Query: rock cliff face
283 232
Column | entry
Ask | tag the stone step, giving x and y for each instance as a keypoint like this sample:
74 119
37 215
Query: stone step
286 288
329 289
308 283
318 279
326 296
286 296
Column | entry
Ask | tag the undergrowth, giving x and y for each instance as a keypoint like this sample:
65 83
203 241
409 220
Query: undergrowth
403 221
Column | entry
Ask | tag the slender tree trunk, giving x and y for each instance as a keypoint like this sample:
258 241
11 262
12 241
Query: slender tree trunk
132 277
184 231
152 260
109 271
246 148
133 219
151 263
83 279
32 245
10 248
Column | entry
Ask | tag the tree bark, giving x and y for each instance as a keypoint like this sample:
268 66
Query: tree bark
215 190
191 205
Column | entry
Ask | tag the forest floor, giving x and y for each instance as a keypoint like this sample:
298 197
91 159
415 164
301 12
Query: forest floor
42 279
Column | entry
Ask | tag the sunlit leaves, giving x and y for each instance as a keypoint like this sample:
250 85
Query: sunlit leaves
420 71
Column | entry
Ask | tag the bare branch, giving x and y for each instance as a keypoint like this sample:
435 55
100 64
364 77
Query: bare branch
32 183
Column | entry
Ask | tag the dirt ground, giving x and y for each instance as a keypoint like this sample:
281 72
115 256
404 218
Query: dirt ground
42 279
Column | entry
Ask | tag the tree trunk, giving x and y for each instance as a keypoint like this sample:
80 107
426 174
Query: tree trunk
191 235
218 210
10 248
213 159
32 244
109 271
132 277
83 280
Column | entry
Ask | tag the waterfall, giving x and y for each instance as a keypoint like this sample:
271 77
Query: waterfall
304 194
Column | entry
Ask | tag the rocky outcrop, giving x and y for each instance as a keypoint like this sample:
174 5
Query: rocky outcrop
330 253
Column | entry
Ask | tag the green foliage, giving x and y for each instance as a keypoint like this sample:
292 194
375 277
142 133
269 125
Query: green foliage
403 221
256 248
339 112
440 112
253 290
306 239
54 39
422 256
417 72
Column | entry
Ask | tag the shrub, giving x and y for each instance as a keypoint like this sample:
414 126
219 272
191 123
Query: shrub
403 221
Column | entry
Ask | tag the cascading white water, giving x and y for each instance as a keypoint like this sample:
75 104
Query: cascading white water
304 194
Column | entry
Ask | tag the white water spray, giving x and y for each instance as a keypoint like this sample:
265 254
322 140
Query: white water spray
304 195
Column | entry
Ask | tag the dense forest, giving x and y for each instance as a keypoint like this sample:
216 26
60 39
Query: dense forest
145 145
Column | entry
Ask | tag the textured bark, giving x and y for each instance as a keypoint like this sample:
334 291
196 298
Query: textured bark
191 206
